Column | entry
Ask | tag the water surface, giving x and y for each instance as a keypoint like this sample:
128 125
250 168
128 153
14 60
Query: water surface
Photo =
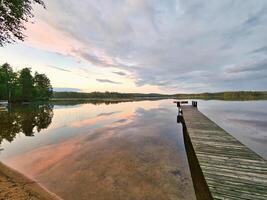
123 151
245 120
130 150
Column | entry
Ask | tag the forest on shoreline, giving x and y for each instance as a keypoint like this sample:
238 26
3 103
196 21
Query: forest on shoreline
235 95
22 86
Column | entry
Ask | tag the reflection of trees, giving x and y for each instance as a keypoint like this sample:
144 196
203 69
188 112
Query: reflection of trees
25 119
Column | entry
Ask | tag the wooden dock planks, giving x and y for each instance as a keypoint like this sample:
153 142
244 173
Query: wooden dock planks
231 170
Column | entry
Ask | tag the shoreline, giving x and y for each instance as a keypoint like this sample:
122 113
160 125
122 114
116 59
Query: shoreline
14 185
120 100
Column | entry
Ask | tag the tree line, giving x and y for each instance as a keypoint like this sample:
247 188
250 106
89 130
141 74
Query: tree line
234 95
22 86
99 95
105 95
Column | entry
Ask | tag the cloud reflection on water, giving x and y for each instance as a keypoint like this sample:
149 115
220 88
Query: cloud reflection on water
130 154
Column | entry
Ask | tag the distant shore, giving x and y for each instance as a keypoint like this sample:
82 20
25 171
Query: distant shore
14 186
110 99
115 96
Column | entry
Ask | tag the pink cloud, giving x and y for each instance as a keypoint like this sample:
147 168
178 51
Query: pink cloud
44 36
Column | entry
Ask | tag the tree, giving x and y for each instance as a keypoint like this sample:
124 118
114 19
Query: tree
43 87
4 81
26 84
22 86
7 81
13 15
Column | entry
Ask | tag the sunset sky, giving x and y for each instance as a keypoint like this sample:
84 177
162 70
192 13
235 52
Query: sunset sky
146 46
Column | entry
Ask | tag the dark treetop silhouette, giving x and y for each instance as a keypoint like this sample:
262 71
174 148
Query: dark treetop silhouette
13 15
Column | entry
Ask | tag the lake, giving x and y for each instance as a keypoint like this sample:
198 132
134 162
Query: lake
129 150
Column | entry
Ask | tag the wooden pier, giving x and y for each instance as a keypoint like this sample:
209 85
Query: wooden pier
221 166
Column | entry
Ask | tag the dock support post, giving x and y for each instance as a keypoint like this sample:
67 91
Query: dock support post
194 104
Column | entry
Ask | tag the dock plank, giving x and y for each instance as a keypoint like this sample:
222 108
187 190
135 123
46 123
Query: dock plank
231 170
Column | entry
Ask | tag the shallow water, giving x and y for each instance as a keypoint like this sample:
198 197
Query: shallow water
130 150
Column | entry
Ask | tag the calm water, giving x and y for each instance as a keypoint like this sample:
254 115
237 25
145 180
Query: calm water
130 150
245 120
118 151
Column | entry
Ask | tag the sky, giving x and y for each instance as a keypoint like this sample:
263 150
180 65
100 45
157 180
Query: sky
170 46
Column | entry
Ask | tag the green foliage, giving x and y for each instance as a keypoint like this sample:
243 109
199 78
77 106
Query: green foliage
13 15
43 87
7 81
26 84
22 86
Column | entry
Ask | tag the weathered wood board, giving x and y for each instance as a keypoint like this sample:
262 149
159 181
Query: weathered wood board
231 170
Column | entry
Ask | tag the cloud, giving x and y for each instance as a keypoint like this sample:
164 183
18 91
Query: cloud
120 73
98 60
107 81
43 35
260 50
250 66
165 43
59 68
